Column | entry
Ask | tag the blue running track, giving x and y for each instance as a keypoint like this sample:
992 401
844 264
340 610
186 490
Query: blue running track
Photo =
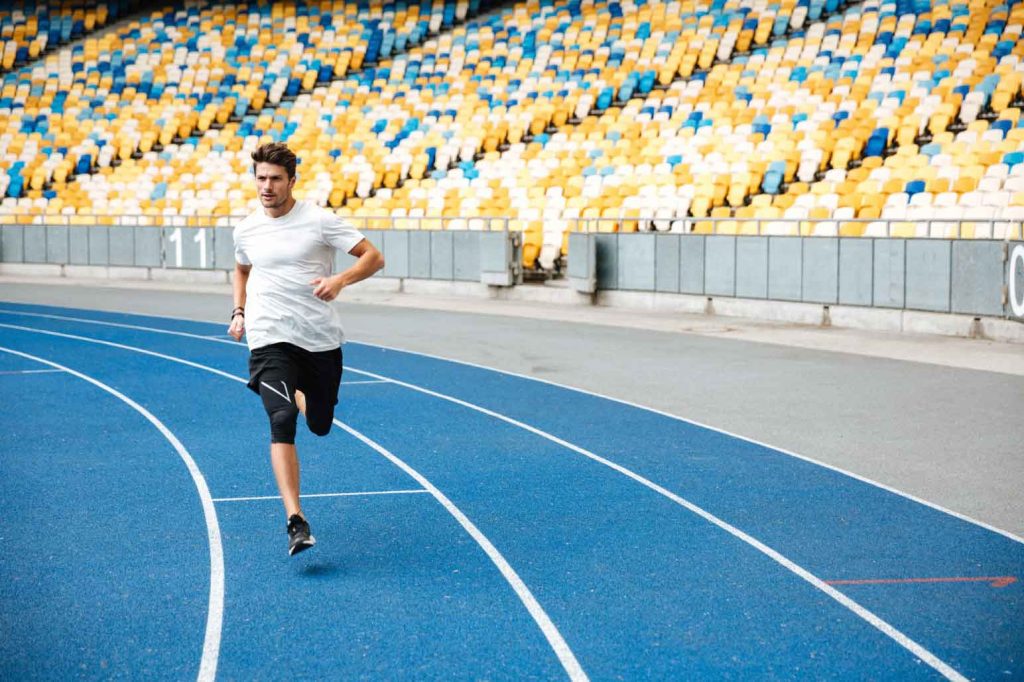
470 524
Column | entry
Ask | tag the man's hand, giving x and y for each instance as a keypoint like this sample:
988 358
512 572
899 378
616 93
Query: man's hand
327 288
237 327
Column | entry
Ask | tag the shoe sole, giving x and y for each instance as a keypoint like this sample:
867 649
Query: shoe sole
302 546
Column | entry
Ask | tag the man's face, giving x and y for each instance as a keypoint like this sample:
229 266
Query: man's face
273 185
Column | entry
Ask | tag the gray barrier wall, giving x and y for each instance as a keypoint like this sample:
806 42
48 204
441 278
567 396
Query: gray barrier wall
973 277
470 256
167 247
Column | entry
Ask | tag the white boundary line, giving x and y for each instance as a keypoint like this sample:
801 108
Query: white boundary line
685 420
880 624
544 622
551 633
15 372
308 495
215 610
360 383
883 626
825 465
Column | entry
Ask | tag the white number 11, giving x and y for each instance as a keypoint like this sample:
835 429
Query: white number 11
199 238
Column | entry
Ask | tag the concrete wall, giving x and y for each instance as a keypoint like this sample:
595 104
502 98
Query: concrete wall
459 256
936 275
966 277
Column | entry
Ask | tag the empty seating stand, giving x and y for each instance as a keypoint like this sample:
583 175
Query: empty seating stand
788 118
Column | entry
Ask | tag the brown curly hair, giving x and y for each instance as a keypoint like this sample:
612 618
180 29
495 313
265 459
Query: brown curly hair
277 154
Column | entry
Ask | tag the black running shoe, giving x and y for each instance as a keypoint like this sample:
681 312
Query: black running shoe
299 538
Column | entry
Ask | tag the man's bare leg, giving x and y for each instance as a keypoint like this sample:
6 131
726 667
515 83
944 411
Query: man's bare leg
285 460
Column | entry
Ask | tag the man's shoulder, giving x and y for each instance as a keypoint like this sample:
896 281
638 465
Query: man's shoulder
316 212
248 221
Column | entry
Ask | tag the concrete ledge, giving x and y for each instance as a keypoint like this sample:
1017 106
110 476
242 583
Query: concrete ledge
31 269
127 273
776 311
385 285
1007 331
87 271
542 293
443 287
560 294
816 314
938 323
874 319
652 300
967 326
186 275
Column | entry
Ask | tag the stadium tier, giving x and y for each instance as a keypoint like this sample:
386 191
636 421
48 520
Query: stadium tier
29 29
808 117
177 80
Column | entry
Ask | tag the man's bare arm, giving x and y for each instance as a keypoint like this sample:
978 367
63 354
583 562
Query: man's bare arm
369 261
238 283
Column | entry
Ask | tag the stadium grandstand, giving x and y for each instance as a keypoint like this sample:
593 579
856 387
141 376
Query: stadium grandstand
812 117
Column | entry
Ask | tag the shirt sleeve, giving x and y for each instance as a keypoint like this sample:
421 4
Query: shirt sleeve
338 232
240 255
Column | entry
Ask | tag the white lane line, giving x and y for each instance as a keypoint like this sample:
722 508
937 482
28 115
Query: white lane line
215 610
554 637
101 342
120 325
551 633
358 383
278 497
868 616
14 372
863 479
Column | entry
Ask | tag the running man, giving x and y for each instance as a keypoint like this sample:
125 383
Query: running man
283 287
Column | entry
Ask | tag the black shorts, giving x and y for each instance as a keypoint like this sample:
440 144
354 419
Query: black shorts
278 370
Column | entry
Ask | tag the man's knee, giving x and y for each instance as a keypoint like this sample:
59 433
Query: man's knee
282 424
319 425
282 412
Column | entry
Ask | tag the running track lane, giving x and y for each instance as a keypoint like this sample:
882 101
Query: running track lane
535 382
704 661
381 596
79 516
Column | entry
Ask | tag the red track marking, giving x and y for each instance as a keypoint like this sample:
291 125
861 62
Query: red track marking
997 581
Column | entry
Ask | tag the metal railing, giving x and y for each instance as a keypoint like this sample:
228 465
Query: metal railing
367 222
126 220
937 228
475 223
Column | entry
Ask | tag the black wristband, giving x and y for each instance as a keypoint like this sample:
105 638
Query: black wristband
238 311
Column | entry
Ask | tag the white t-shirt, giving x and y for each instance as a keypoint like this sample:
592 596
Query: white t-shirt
286 254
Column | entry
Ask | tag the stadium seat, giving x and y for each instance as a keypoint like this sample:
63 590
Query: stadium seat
561 113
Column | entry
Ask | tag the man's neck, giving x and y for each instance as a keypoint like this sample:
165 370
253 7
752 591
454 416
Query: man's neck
281 210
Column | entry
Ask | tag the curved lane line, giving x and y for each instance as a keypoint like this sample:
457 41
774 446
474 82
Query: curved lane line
880 624
215 610
551 634
868 616
863 479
